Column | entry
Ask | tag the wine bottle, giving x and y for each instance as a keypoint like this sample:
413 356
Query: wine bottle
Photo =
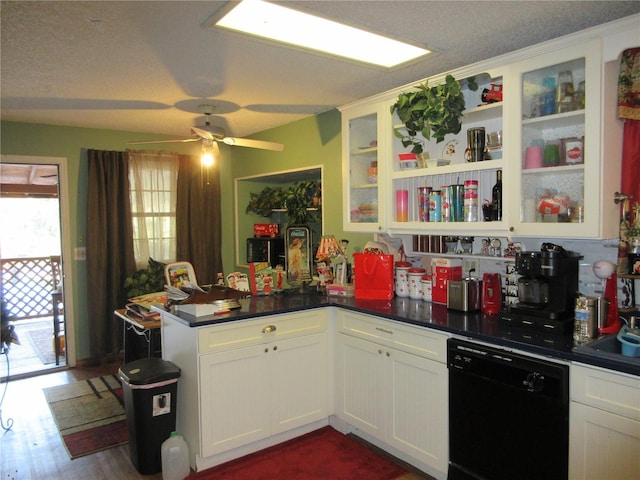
496 196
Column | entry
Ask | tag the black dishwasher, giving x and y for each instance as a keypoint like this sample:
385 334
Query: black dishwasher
508 415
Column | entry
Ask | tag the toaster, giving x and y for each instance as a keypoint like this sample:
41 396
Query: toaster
464 295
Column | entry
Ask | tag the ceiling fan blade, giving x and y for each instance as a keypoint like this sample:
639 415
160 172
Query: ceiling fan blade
247 142
202 133
178 140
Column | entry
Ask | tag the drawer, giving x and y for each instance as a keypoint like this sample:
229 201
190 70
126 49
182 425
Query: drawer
216 338
416 340
615 392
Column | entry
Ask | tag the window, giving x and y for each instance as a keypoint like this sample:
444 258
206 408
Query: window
153 180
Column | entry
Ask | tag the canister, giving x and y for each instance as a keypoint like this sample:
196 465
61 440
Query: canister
445 193
402 278
456 214
415 282
435 206
423 203
471 201
426 288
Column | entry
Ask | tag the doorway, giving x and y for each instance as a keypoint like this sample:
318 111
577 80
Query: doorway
34 215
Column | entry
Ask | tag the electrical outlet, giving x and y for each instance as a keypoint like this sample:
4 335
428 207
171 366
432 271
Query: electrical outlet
80 253
469 264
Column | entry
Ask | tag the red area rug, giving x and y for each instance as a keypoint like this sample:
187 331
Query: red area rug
324 454
90 414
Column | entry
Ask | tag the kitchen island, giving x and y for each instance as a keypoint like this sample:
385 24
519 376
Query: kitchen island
282 365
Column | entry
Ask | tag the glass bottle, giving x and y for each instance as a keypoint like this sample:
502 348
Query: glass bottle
496 196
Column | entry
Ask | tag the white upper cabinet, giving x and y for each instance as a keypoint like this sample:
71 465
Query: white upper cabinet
558 97
560 187
365 137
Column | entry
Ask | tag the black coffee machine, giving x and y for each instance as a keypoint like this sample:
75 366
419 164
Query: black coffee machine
547 291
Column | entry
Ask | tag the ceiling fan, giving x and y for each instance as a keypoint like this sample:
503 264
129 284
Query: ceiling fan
209 134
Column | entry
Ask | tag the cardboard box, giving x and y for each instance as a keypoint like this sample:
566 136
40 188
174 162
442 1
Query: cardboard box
266 230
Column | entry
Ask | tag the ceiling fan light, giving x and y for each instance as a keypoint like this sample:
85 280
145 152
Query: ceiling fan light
229 140
206 155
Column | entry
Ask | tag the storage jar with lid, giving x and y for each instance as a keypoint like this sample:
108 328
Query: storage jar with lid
471 201
402 278
415 282
426 287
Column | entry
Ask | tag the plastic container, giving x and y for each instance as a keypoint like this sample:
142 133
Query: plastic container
150 388
175 458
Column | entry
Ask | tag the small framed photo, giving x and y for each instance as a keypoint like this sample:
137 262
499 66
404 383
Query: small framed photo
180 274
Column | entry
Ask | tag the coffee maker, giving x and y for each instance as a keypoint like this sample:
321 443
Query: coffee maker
547 290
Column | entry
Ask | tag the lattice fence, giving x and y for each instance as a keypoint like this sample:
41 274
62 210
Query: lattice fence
27 284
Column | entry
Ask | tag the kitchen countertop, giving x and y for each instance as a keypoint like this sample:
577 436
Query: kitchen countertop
473 325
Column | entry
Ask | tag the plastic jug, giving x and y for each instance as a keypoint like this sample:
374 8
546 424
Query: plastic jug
175 458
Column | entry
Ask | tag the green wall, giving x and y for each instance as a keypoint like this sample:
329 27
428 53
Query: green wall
308 142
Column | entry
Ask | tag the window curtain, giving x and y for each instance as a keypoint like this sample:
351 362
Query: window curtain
109 249
153 205
198 218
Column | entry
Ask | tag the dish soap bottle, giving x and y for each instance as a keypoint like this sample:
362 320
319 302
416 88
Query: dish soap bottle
496 197
175 458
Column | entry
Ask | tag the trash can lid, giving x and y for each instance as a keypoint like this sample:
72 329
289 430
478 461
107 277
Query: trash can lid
147 371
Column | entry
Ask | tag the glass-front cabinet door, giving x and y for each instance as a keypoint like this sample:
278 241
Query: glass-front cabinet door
363 170
558 191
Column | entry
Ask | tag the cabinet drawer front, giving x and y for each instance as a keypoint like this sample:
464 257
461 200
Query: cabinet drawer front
416 340
614 392
267 329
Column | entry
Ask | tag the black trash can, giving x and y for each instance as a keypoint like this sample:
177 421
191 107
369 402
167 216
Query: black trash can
150 387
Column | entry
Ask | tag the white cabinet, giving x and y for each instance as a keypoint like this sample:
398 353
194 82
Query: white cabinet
560 183
452 151
365 130
392 384
283 386
604 437
587 129
247 383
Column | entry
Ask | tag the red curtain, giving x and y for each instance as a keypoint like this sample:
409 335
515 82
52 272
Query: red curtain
629 111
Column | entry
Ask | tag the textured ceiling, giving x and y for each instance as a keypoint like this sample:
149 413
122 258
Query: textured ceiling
146 66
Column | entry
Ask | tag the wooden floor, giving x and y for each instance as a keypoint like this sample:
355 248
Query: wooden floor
32 449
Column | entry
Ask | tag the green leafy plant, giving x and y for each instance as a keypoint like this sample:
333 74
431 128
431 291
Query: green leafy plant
296 200
146 280
263 203
432 111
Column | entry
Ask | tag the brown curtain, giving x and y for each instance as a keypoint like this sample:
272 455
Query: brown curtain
199 229
110 257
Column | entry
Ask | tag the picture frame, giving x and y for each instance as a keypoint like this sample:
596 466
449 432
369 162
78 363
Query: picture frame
178 274
298 255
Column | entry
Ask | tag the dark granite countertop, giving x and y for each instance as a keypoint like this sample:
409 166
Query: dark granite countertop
473 325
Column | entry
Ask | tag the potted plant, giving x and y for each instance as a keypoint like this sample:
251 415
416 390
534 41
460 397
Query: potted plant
430 111
146 280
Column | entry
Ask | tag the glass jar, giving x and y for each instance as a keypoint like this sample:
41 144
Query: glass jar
372 173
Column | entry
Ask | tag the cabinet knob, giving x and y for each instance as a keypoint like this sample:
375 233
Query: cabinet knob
388 354
269 329
511 229
379 351
275 348
266 350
